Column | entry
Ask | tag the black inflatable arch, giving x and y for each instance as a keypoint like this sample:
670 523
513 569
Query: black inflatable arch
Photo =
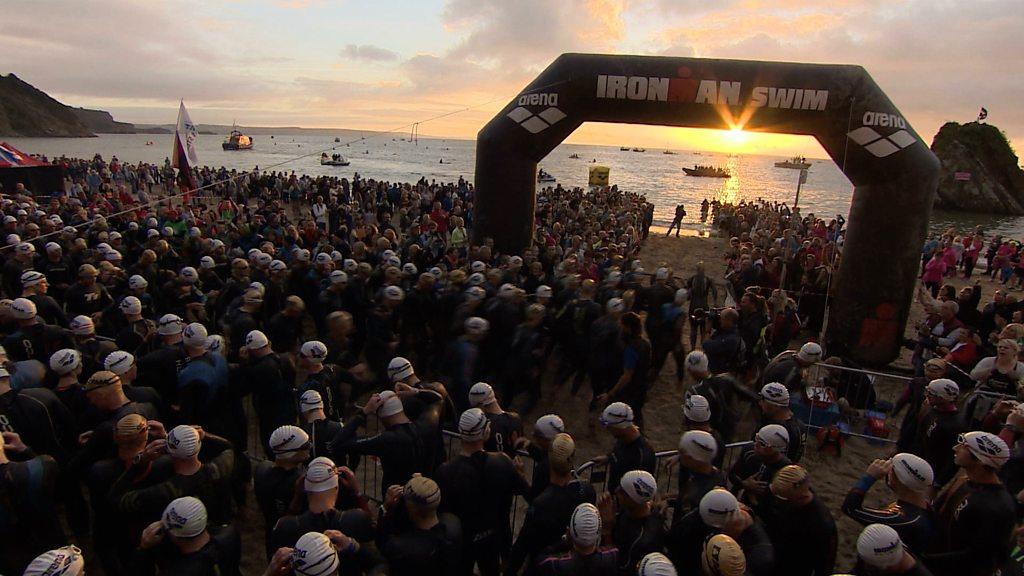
892 169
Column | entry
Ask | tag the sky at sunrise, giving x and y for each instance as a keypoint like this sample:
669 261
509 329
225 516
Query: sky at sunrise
384 64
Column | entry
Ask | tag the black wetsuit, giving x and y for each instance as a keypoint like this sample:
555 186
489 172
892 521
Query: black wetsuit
915 525
975 524
602 562
48 309
400 448
37 342
937 433
479 490
355 524
636 538
804 537
750 463
159 369
321 433
274 487
634 455
211 484
541 471
270 378
758 549
692 486
416 552
504 426
29 524
220 556
546 520
685 540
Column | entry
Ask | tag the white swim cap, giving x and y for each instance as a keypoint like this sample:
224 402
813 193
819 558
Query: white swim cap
476 326
23 309
314 555
314 351
879 546
717 507
481 394
775 393
774 436
65 561
169 325
655 564
119 362
256 339
321 475
697 361
310 400
810 352
183 442
615 305
912 471
473 425
131 306
195 335
288 439
390 404
65 361
943 388
137 282
184 517
696 408
585 525
617 415
639 485
549 426
988 448
399 369
699 445
82 325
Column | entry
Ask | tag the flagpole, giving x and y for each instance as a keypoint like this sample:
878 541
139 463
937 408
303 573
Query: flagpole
796 203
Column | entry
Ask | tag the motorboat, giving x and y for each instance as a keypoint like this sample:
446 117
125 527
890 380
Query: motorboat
639 150
544 178
574 156
237 141
707 172
333 160
668 152
624 149
794 163
336 139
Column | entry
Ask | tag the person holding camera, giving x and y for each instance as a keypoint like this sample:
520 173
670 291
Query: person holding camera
725 348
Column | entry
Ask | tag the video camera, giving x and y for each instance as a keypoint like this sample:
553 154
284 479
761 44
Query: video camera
712 316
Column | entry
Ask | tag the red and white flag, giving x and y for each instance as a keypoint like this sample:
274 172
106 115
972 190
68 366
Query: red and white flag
185 155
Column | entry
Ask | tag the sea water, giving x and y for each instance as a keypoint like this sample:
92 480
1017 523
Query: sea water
394 157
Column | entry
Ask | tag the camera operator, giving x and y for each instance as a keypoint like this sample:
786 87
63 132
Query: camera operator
725 347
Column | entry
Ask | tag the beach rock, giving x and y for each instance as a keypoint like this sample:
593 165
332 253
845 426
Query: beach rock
991 180
28 111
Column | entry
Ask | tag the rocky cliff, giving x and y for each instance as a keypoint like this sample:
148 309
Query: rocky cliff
101 122
990 179
27 111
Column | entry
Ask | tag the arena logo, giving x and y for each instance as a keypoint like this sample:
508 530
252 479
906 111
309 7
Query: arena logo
878 145
716 92
541 121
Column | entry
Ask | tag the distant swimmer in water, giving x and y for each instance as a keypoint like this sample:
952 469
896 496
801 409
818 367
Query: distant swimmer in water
441 161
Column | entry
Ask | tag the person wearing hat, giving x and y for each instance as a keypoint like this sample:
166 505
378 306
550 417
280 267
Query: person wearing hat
382 330
234 288
538 446
800 525
269 378
203 396
939 424
631 387
87 297
274 480
66 366
418 312
332 503
524 359
630 519
723 393
774 404
506 427
31 524
975 512
429 541
912 399
466 365
881 552
57 269
285 327
23 256
697 416
578 316
478 487
668 336
246 317
586 555
403 447
725 349
63 561
910 477
703 295
328 380
631 450
181 542
315 422
715 511
698 451
606 349
723 556
160 367
33 339
137 332
208 478
551 510
93 350
757 464
34 286
788 367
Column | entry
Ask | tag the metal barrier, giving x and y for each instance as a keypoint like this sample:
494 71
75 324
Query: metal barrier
843 396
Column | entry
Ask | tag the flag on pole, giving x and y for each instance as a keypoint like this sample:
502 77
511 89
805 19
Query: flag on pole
185 156
982 114
803 176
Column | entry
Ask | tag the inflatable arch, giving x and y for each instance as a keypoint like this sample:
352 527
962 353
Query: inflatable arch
893 171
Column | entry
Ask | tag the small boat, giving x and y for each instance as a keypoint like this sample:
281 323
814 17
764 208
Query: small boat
668 152
237 140
624 149
639 150
707 172
794 163
333 160
574 156
336 139
543 177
